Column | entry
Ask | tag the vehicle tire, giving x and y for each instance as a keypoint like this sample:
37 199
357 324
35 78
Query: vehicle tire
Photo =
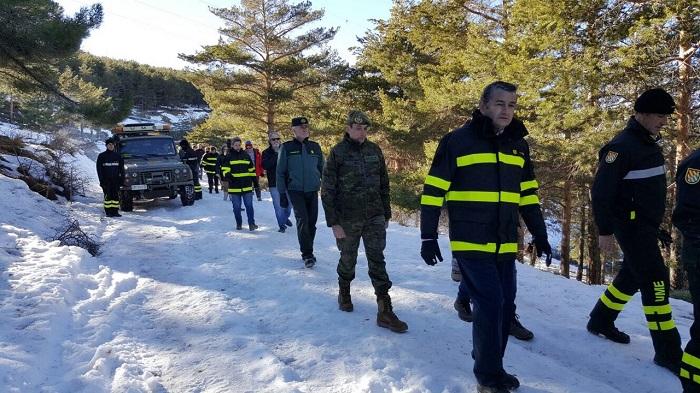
187 195
127 201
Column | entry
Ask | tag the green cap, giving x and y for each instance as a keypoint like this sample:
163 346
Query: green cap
357 117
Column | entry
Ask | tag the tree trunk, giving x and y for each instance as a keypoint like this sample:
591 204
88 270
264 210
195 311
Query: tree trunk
582 238
566 231
12 109
595 273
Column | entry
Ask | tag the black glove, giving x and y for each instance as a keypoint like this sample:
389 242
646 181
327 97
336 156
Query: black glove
543 247
284 202
430 252
665 238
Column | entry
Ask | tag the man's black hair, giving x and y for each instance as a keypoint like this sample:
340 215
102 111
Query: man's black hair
488 90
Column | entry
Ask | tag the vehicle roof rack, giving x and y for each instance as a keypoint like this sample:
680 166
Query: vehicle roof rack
141 129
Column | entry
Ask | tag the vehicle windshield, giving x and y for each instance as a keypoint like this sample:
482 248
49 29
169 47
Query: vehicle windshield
147 147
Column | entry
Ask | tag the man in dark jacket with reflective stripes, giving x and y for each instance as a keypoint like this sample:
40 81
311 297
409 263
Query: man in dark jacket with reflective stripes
629 200
209 160
190 157
239 171
484 174
110 172
686 217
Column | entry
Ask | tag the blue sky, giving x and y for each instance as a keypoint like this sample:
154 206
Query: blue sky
155 31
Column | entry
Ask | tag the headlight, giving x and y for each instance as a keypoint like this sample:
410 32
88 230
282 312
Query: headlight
134 174
177 171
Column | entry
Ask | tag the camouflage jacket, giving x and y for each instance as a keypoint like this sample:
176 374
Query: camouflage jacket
355 184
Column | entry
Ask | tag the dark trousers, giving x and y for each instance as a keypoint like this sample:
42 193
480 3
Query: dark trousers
642 269
197 188
246 199
213 180
111 198
256 186
373 236
492 286
690 365
305 206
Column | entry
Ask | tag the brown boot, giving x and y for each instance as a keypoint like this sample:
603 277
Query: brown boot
386 317
344 300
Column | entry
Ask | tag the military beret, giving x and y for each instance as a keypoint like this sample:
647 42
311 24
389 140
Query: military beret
655 101
298 121
357 117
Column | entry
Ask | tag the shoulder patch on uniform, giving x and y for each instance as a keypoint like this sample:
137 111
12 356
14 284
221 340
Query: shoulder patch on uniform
692 176
611 157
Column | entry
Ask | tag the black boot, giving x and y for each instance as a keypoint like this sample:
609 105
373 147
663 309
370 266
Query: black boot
608 331
519 331
464 311
386 317
344 299
673 366
490 389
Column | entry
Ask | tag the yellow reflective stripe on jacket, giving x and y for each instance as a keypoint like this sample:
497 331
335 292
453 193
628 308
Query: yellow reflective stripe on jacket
251 169
527 185
243 174
616 292
651 310
483 196
479 158
431 200
691 360
244 189
437 182
663 325
234 162
529 200
633 215
488 247
511 159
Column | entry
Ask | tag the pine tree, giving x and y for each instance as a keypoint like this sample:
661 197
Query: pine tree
264 61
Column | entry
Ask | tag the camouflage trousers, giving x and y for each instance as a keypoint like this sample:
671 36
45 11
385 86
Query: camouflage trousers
373 235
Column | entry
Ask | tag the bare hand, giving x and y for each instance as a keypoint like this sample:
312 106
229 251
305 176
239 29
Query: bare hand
338 231
607 245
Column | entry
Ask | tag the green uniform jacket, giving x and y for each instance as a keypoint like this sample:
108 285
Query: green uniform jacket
355 183
299 166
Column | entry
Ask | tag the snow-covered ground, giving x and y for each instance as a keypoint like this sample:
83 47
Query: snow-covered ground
179 301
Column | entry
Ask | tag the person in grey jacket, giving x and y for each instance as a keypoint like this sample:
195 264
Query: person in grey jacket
299 169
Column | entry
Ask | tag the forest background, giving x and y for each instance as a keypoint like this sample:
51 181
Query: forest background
578 65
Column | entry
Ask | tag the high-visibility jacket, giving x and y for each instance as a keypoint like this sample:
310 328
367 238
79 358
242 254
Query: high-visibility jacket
686 215
630 184
239 170
485 180
209 162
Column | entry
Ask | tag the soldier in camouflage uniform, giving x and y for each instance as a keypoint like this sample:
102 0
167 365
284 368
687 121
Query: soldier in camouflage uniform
355 197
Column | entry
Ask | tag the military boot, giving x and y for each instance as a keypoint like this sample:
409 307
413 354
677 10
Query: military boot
519 331
344 299
608 331
386 317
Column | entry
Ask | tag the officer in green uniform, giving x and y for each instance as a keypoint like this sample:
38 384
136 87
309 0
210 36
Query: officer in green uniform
355 197
686 217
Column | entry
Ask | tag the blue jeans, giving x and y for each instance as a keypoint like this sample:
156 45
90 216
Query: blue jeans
491 285
281 213
247 198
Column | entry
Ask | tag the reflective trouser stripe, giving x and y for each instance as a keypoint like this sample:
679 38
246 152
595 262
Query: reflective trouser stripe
691 360
488 247
663 325
616 292
663 309
611 304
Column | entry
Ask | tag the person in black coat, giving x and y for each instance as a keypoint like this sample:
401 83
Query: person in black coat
190 157
269 163
110 172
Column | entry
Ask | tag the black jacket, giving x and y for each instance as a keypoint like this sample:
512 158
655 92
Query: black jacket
630 184
686 215
269 164
110 168
190 157
209 161
485 180
239 171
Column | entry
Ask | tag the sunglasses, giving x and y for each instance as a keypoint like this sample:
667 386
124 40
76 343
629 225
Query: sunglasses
275 139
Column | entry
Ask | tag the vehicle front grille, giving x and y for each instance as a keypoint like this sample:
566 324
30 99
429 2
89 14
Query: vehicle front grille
155 178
